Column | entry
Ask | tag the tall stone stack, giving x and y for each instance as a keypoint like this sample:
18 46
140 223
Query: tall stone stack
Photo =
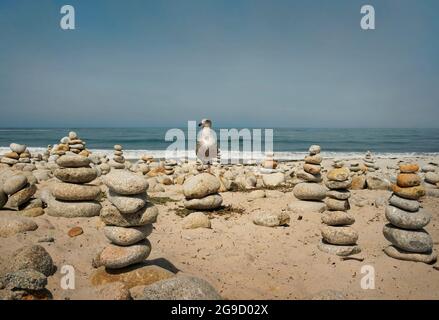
169 166
118 161
20 191
339 237
128 219
369 162
409 240
310 191
71 143
73 196
269 162
201 192
18 154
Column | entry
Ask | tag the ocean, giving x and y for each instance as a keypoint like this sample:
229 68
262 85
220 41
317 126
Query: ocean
288 143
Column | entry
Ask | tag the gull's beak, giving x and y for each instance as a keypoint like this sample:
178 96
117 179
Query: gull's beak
200 124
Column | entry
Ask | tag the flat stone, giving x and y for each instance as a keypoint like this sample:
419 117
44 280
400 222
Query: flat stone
200 186
432 177
76 175
339 235
127 236
412 193
309 191
404 204
399 254
110 215
127 204
11 224
75 192
405 180
14 184
73 161
315 159
32 257
418 241
407 220
338 250
27 279
196 220
312 168
338 194
132 276
376 182
32 212
273 179
181 288
337 218
271 219
341 174
337 205
115 257
73 209
302 207
210 202
75 231
336 185
315 178
257 194
21 197
125 183
409 168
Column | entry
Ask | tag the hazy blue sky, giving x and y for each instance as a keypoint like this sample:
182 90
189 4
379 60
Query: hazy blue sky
239 62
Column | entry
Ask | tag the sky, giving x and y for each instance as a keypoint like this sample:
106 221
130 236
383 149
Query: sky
244 63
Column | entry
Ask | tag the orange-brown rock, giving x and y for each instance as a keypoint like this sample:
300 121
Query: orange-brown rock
409 168
413 193
312 168
62 147
12 155
405 180
341 174
156 171
84 153
76 231
358 182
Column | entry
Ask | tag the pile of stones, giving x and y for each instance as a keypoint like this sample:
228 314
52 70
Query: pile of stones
369 162
339 237
310 190
18 154
201 192
73 196
20 190
269 162
71 143
128 218
118 161
407 219
170 167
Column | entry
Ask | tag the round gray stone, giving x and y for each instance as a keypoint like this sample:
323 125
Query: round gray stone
125 182
127 236
210 202
111 216
76 175
116 257
407 220
14 184
309 191
404 204
418 241
127 204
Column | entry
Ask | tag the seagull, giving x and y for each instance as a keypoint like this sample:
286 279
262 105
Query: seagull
206 148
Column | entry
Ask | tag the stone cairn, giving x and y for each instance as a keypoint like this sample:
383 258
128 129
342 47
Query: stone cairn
369 162
71 143
269 162
128 219
73 196
18 154
407 219
339 237
118 161
20 191
311 191
201 192
169 166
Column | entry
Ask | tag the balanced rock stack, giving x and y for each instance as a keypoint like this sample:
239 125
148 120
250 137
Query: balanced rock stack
201 192
170 167
407 219
311 190
118 161
269 162
20 191
18 154
369 162
339 237
128 220
71 143
74 196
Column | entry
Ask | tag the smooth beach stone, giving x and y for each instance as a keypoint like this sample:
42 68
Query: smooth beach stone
429 168
73 209
405 180
341 174
21 197
408 168
399 254
404 204
337 205
127 204
336 185
125 182
119 159
12 155
3 198
76 175
110 215
127 236
118 147
412 193
26 279
314 149
200 186
315 159
11 224
9 161
272 180
75 161
211 202
338 250
73 135
418 241
432 177
77 147
337 218
307 207
32 257
338 194
74 192
316 178
32 212
339 235
271 219
196 220
18 148
257 194
312 168
407 220
309 191
115 257
376 182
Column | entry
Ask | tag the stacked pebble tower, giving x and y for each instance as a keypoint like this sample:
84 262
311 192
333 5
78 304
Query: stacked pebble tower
128 219
20 191
73 196
71 143
369 162
407 219
269 162
118 161
170 167
201 192
18 154
339 237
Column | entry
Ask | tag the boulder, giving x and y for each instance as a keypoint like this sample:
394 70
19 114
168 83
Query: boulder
11 224
196 220
273 179
32 257
76 175
200 186
376 182
125 183
407 220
